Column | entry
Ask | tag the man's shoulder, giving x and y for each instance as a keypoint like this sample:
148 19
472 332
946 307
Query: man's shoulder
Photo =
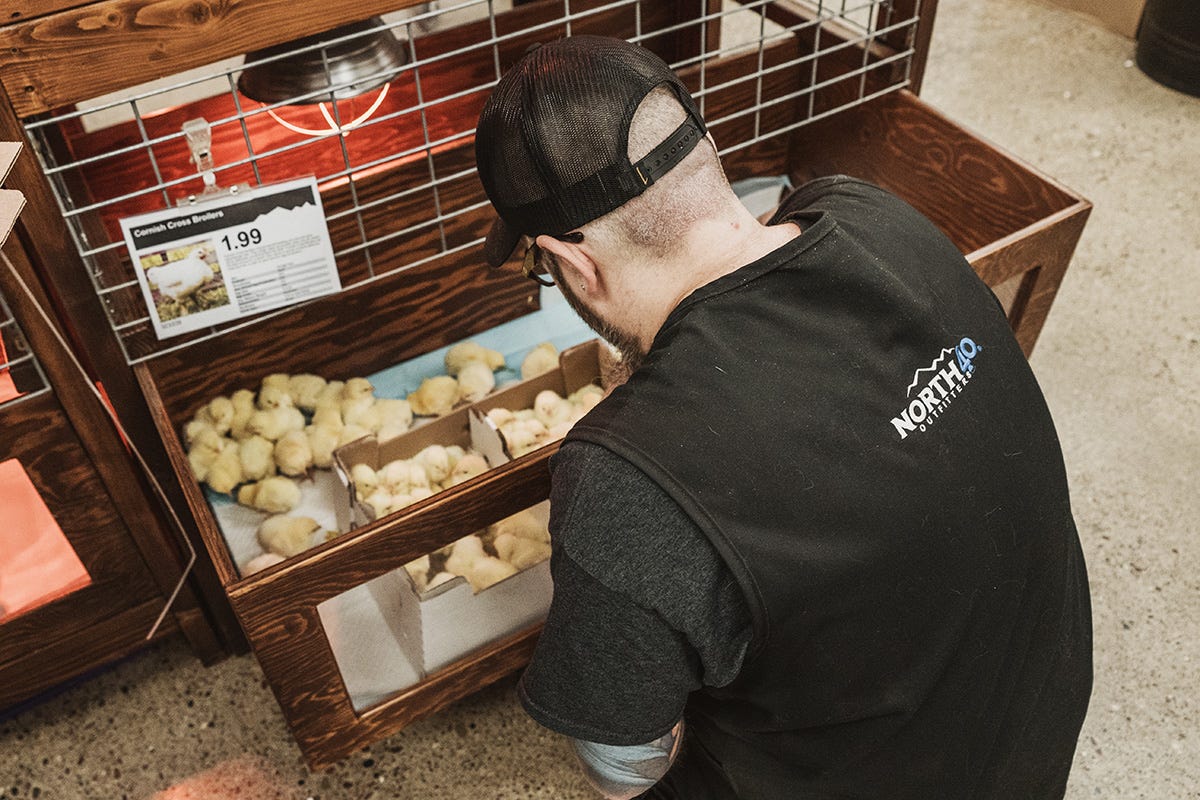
820 193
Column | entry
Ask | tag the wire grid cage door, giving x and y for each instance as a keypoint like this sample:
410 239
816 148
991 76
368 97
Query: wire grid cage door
21 376
395 164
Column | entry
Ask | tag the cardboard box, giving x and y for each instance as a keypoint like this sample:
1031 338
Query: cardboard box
387 636
466 427
374 631
455 620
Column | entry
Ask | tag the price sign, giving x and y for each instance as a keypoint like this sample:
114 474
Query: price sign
202 265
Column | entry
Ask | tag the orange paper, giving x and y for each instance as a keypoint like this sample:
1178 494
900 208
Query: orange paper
37 563
8 389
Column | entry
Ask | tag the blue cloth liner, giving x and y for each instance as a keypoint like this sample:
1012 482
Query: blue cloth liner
554 322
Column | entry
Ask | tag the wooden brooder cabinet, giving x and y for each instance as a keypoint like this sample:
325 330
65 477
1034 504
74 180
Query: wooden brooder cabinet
87 564
788 87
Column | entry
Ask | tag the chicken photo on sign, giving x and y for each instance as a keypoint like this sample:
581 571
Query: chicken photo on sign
185 280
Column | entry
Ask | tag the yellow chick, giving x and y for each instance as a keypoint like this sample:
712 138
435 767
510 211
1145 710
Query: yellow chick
206 445
226 471
520 440
379 501
356 398
329 416
418 478
361 412
539 360
261 562
402 475
365 415
287 536
304 389
400 502
218 413
435 461
274 423
200 462
208 439
275 495
555 432
475 381
193 429
257 458
322 441
468 467
488 571
272 396
500 416
385 434
357 388
463 555
352 433
435 396
331 393
587 396
524 525
394 415
243 407
365 480
276 380
418 570
523 435
293 453
465 353
521 553
550 409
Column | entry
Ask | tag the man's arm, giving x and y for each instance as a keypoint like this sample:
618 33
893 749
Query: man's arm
622 773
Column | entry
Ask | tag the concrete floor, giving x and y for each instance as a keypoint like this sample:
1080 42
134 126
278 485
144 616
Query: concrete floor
1120 364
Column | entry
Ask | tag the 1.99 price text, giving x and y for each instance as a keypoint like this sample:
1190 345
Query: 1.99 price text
246 238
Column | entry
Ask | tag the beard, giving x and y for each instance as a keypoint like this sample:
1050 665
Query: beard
626 343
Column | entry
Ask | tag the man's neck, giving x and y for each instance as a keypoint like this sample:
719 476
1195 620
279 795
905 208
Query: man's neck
713 250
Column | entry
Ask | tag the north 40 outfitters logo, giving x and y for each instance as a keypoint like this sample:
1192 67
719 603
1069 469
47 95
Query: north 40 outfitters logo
939 384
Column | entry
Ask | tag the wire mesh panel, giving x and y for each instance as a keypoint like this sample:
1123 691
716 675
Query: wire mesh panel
21 376
394 163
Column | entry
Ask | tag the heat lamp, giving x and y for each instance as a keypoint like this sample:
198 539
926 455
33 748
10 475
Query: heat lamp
355 58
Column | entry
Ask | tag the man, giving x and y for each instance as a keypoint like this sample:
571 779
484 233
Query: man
821 537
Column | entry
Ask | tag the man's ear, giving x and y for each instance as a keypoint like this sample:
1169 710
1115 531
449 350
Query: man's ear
578 267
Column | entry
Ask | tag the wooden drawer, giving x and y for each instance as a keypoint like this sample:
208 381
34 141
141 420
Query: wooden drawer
1017 227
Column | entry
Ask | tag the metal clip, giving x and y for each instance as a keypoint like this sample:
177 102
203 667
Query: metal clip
199 139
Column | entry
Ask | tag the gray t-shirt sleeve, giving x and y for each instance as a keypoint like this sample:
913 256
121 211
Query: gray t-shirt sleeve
644 610
605 670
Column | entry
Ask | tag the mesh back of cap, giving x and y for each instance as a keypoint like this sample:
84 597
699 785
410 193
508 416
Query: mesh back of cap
552 141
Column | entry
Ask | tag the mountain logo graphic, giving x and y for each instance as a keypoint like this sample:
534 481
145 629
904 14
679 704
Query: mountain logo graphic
940 383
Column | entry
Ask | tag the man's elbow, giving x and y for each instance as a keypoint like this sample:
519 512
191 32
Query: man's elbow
624 772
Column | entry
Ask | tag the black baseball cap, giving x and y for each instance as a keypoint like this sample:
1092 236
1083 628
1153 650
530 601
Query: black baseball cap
552 144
